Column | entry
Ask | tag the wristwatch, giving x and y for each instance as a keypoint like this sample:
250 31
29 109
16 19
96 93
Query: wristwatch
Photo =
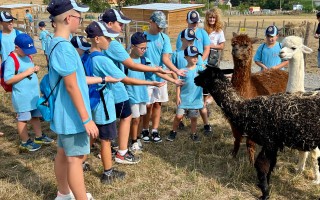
103 80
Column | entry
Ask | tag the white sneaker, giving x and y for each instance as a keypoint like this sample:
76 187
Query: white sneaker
89 196
64 196
135 148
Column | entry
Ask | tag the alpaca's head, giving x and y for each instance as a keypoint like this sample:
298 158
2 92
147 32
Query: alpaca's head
210 75
242 47
291 46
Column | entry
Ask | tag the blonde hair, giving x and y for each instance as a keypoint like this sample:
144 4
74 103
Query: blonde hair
218 25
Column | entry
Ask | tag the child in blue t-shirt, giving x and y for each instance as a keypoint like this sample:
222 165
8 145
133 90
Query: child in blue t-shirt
81 44
138 95
267 55
44 35
8 34
189 96
72 119
25 92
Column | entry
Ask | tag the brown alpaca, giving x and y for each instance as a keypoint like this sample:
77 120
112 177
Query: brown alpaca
250 85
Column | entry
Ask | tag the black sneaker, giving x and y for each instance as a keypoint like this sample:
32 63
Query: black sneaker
145 136
195 138
128 158
155 137
181 125
207 130
115 174
172 136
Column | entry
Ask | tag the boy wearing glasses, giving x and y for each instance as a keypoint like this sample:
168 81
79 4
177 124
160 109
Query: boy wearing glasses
138 95
72 120
8 34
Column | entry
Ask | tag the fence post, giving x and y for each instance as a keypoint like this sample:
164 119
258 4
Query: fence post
228 21
127 36
262 23
314 27
283 28
306 41
257 28
35 25
239 27
244 22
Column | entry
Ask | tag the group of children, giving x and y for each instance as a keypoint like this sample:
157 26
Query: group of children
130 87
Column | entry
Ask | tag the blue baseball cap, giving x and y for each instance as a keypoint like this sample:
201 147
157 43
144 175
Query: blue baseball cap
80 42
112 15
272 31
99 28
25 43
191 51
6 16
42 24
188 34
159 18
57 7
193 17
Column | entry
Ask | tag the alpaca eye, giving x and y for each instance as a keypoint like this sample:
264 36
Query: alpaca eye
293 48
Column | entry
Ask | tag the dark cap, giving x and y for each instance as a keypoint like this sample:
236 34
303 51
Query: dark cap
193 17
99 29
112 15
188 34
138 38
80 42
57 7
191 51
6 16
25 42
272 31
42 24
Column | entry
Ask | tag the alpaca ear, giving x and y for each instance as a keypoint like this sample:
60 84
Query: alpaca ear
306 49
255 40
234 34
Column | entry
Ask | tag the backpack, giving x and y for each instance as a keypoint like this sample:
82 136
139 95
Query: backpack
142 60
7 87
17 33
95 94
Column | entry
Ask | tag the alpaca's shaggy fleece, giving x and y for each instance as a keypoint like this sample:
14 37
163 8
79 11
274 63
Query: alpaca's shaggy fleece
273 121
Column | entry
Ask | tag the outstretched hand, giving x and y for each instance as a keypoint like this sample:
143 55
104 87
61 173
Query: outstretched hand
91 129
181 72
159 84
162 71
179 82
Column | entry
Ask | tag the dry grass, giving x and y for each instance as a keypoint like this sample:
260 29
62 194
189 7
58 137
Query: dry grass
178 170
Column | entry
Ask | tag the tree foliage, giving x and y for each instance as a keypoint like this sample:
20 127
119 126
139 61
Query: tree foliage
274 4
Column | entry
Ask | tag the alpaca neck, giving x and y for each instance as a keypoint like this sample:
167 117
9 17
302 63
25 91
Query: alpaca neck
226 97
296 74
242 73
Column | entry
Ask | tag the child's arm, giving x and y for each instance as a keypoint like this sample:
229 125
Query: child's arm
134 81
178 100
95 80
175 80
72 88
167 61
142 68
281 65
18 77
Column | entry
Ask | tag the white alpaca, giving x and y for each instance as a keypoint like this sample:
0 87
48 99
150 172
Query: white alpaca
292 50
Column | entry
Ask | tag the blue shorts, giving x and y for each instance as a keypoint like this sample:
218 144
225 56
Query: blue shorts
26 116
74 144
108 131
123 109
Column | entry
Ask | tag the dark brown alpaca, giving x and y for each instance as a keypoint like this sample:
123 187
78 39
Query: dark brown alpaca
250 85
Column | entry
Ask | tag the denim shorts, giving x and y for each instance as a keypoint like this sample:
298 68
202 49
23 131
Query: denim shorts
26 116
74 144
108 131
123 109
190 113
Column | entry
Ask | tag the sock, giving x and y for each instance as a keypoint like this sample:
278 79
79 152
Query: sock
154 130
134 141
123 152
108 171
64 195
145 129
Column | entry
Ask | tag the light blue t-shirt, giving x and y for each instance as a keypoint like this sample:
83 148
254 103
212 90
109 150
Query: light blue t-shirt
202 40
50 36
137 93
118 54
103 66
64 61
29 16
25 93
44 37
7 44
268 56
190 94
179 60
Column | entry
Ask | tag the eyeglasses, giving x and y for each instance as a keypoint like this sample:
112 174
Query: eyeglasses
80 18
141 48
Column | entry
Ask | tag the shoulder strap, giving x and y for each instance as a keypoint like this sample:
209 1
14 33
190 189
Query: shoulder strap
162 35
144 60
95 53
0 38
262 50
16 62
17 32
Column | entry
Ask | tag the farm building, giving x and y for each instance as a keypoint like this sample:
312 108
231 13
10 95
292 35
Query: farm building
176 14
17 10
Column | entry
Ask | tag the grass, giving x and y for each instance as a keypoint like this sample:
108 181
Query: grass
178 170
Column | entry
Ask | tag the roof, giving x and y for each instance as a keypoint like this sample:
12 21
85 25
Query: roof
165 6
17 5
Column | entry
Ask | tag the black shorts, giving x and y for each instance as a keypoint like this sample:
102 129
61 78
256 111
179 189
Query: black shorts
205 91
108 131
123 109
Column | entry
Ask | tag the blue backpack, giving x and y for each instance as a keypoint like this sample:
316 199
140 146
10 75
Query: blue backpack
95 94
17 33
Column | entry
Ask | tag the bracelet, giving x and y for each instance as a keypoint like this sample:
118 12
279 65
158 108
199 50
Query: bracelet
87 121
103 80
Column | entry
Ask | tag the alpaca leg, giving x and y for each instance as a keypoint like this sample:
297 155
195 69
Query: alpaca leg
251 150
303 155
237 140
262 165
315 155
272 155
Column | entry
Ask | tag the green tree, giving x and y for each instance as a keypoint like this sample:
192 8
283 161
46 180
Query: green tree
97 5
